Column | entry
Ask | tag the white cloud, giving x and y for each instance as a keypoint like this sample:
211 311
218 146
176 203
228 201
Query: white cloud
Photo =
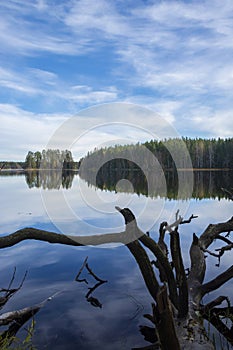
22 131
214 124
85 94
177 53
89 15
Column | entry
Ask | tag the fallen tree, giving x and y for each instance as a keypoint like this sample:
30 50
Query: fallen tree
177 308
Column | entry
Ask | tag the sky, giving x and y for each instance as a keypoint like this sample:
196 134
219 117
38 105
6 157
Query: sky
61 60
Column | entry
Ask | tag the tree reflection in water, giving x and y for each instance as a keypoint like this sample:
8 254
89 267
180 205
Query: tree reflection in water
206 184
50 179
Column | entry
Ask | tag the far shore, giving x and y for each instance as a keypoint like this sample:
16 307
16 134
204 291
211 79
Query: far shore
76 170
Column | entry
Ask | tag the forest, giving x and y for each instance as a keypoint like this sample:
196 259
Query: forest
49 159
200 153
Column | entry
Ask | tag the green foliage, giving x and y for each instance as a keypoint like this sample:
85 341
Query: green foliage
137 163
50 159
203 153
12 342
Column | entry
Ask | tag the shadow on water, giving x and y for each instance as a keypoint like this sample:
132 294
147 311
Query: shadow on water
206 184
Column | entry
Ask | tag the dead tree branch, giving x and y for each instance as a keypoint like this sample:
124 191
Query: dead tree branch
155 249
180 273
16 319
213 231
217 281
9 292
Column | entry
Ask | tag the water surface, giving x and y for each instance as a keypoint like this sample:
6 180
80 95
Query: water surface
69 321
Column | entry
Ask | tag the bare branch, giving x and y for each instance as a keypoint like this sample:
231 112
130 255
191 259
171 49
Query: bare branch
212 232
174 224
224 239
210 253
217 282
189 219
214 303
9 292
223 249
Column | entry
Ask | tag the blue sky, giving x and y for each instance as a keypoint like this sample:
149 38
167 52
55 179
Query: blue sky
60 57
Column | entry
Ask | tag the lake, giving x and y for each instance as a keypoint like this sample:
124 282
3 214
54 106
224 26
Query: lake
71 205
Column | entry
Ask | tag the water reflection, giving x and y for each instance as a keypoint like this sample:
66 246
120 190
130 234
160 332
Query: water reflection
70 321
50 179
12 321
207 184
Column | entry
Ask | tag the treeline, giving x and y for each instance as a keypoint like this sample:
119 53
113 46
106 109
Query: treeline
50 159
171 154
11 165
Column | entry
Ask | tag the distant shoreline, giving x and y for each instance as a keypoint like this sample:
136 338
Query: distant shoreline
36 169
76 170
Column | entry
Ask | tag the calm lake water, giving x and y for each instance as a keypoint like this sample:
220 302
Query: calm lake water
73 206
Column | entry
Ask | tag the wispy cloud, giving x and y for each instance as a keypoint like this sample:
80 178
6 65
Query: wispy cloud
22 131
173 56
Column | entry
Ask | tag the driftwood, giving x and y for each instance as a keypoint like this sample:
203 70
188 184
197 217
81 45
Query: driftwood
178 312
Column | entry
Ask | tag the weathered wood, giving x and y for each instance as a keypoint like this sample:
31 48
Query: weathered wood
180 273
145 267
165 322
